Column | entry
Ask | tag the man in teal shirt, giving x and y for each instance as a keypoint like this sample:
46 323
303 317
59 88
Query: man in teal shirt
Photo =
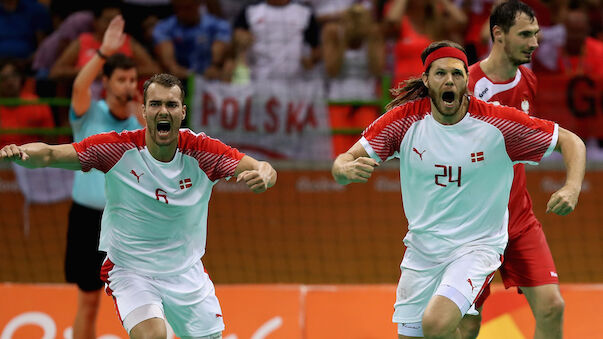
120 110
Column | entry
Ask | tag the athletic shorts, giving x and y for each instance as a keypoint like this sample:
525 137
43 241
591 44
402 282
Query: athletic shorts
467 274
83 260
188 300
528 261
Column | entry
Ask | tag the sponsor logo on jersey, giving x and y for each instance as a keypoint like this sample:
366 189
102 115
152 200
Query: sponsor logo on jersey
477 156
470 283
186 183
419 153
482 93
133 172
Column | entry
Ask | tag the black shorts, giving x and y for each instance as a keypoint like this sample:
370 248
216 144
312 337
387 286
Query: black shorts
83 260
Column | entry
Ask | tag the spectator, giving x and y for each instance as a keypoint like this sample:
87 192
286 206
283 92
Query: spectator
417 24
80 51
354 56
23 26
581 54
54 45
476 36
191 41
21 116
333 10
272 36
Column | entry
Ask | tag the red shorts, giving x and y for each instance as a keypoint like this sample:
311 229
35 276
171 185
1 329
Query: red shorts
528 261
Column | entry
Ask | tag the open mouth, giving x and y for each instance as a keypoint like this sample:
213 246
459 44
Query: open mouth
448 97
164 127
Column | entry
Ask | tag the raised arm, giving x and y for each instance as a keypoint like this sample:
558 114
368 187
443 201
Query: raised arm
81 96
573 150
38 154
258 175
355 165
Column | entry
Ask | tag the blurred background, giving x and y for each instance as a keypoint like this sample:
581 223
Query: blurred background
296 91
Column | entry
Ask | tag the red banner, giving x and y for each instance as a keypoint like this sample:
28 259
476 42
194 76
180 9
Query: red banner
575 103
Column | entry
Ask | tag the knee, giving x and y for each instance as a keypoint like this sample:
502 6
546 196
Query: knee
470 326
552 311
435 327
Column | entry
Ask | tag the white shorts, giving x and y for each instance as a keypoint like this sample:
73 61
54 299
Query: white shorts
188 300
466 274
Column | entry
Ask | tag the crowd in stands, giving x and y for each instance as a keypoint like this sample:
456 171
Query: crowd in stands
350 44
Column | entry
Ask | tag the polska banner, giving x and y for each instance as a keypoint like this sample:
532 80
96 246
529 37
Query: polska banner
269 119
574 102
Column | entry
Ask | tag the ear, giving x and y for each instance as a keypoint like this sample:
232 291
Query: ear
144 111
424 78
498 34
183 112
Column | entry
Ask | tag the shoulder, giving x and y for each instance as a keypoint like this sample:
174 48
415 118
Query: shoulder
405 114
135 138
498 114
528 75
190 141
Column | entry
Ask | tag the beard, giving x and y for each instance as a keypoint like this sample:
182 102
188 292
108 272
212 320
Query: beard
447 111
516 61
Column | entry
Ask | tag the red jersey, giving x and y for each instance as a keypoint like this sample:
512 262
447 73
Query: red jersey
518 92
89 45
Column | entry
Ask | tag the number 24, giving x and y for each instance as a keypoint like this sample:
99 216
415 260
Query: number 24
448 173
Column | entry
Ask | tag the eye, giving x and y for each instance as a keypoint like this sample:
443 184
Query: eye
172 105
439 73
154 104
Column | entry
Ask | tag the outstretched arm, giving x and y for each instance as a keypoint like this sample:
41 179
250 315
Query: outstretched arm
38 154
573 150
258 175
353 166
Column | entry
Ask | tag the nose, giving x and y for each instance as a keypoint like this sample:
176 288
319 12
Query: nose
448 81
534 42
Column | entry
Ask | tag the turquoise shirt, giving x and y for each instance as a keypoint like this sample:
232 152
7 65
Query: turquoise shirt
89 188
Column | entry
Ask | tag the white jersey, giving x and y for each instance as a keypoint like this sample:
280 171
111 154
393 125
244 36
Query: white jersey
456 178
155 220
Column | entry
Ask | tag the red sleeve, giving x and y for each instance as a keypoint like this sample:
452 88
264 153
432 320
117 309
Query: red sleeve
527 138
103 151
215 158
385 134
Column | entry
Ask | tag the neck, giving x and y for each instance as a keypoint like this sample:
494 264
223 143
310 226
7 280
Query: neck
118 109
163 153
450 119
497 65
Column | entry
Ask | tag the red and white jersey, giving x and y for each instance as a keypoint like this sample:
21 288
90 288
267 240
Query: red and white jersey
456 178
520 93
155 220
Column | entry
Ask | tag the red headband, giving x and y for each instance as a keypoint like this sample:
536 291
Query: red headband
445 52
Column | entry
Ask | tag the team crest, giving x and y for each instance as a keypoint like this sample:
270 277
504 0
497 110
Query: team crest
525 106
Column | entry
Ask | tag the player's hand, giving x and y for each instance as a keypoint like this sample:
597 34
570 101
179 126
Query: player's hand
359 170
563 201
254 180
114 36
12 153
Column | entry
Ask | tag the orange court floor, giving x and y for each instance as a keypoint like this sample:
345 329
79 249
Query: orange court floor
294 311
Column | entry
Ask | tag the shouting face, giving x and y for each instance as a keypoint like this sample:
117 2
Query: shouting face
447 85
163 111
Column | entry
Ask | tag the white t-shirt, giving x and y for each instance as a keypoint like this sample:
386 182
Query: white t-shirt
155 220
456 178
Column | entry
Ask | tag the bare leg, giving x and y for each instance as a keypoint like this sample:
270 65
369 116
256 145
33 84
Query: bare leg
84 325
470 325
441 319
547 306
153 328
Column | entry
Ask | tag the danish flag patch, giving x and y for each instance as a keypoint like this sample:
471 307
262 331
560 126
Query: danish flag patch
186 183
478 156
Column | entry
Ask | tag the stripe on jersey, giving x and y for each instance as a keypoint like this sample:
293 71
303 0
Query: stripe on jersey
215 158
103 151
386 133
492 89
523 143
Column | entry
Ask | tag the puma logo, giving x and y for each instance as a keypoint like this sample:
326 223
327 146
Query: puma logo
470 283
419 153
136 175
